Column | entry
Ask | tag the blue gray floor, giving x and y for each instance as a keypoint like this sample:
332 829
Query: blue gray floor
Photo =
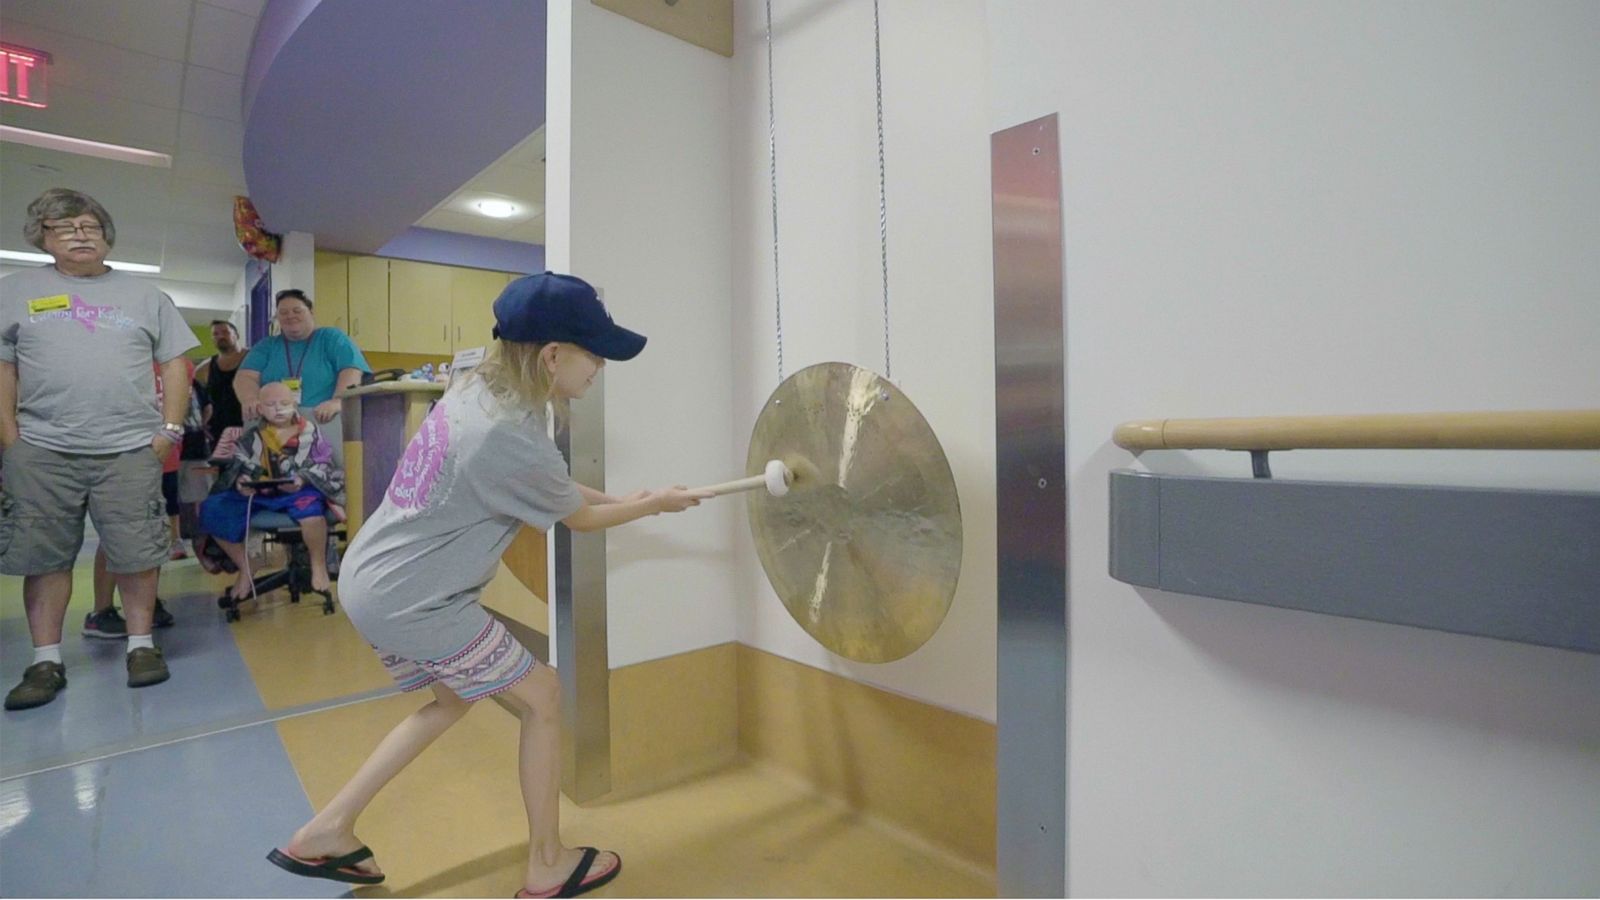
112 792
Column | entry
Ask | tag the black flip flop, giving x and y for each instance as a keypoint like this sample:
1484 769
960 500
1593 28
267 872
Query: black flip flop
332 868
575 884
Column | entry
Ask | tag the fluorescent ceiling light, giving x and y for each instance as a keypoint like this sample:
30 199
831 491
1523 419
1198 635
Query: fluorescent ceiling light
82 147
140 268
497 209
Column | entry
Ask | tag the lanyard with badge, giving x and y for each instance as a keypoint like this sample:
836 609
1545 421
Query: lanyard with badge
293 381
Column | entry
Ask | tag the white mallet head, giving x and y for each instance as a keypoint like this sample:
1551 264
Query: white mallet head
778 478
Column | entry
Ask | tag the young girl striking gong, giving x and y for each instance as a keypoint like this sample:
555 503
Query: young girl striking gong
479 468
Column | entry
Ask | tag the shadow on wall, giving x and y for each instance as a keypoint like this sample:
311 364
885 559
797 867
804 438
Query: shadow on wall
623 551
1537 693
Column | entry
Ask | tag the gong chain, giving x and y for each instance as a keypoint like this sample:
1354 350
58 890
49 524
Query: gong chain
772 150
883 191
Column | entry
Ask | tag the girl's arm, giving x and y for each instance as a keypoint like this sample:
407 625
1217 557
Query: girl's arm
610 515
597 497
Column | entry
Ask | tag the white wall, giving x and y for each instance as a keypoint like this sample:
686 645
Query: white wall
1277 208
941 318
238 308
297 264
637 204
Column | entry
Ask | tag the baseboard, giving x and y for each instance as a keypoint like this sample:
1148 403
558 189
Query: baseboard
926 771
918 767
672 719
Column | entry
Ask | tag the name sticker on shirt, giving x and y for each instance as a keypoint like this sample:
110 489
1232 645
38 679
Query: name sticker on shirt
49 304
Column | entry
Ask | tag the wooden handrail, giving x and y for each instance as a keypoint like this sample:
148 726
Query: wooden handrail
1570 429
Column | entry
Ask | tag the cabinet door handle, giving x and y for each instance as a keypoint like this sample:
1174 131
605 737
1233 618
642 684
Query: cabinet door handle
444 332
458 332
355 328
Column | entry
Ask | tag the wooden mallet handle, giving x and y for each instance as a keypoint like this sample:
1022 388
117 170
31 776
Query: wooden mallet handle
776 479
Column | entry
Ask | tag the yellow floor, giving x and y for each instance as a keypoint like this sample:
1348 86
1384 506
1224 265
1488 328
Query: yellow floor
298 655
452 825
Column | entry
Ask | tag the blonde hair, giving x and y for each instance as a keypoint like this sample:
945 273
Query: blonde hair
514 374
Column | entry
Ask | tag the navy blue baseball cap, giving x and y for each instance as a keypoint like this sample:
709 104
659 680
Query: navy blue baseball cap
537 309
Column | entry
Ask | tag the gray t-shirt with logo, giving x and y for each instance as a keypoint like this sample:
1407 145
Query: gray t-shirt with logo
83 349
469 480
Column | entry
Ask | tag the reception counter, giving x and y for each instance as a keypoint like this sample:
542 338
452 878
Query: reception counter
379 420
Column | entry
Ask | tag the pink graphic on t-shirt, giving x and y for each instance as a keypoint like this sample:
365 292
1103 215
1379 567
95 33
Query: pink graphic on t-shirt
87 315
414 477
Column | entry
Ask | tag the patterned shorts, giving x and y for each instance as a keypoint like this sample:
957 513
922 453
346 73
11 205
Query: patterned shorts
491 663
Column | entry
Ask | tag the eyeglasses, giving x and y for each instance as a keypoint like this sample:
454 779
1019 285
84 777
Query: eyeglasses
68 230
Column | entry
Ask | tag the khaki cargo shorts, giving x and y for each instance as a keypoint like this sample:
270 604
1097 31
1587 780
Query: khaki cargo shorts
44 495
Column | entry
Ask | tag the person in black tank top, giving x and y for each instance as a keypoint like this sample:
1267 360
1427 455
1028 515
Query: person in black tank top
225 412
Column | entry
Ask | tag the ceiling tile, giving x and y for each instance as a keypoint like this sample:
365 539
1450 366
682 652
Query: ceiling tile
530 152
221 39
518 175
212 93
119 76
81 114
217 137
145 251
515 182
447 220
212 236
192 165
101 68
195 203
529 232
18 161
250 8
217 257
184 265
157 27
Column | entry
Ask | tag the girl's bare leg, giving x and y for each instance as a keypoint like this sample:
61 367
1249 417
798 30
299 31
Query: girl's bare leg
537 700
331 832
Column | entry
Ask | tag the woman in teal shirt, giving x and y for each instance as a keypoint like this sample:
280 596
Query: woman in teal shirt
320 363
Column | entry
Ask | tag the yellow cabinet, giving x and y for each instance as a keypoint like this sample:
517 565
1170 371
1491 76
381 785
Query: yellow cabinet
331 292
369 302
472 294
419 307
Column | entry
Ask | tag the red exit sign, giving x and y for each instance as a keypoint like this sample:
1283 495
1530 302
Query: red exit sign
22 76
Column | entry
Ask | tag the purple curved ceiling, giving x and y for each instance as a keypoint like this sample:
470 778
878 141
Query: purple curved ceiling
361 115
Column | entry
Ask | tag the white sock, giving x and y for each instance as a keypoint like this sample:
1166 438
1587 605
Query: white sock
135 641
47 653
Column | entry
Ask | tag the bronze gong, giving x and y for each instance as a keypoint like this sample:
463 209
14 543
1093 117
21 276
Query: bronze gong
865 549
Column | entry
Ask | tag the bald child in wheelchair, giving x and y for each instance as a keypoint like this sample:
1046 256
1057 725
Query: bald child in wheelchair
280 463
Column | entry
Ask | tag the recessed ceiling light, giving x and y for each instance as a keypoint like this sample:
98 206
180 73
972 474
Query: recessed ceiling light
139 268
497 209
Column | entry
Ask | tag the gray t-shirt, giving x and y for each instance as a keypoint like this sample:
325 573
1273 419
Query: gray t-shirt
470 478
83 349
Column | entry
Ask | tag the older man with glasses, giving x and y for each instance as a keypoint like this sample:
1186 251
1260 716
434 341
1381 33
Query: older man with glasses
80 431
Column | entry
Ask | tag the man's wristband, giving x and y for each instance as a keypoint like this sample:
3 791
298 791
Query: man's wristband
172 430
